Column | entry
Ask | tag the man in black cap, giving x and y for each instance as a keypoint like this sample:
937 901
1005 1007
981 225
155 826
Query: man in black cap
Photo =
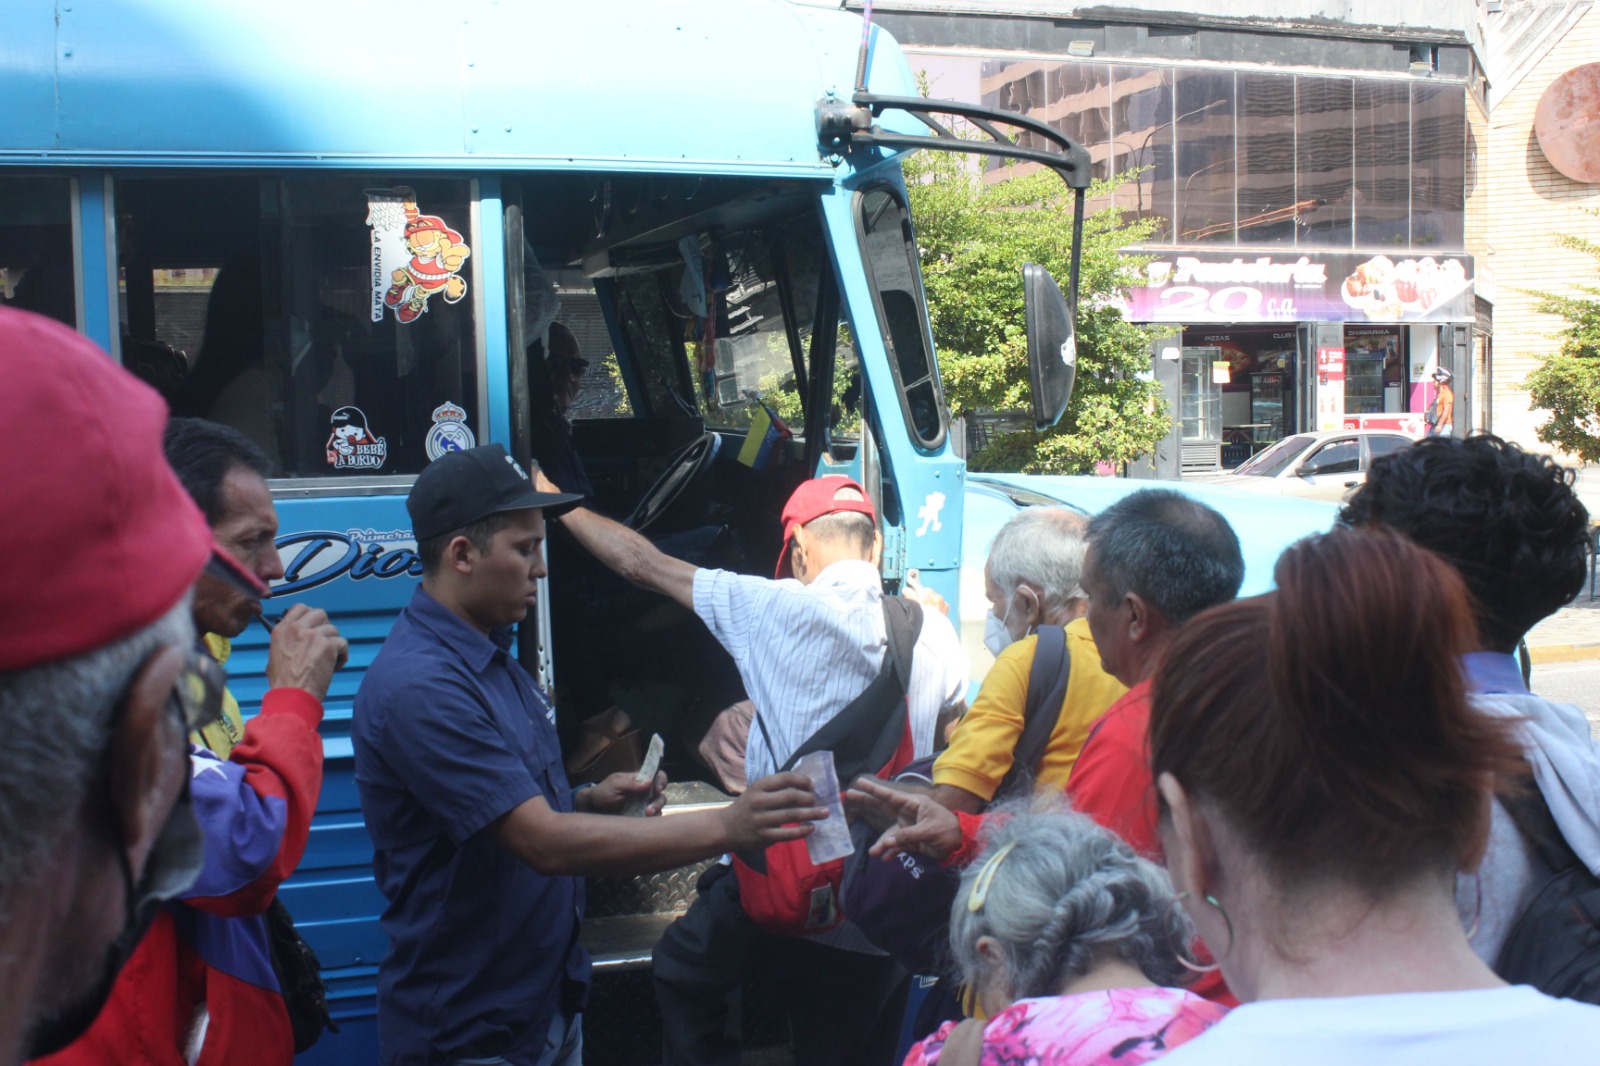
479 843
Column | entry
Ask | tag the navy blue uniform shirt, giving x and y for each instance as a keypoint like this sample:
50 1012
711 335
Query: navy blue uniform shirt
450 733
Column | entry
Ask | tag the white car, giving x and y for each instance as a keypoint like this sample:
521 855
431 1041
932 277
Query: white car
1327 465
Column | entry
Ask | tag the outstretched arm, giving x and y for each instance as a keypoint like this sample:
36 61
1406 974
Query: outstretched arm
776 808
626 552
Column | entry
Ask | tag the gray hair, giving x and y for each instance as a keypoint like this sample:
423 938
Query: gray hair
1043 546
846 528
1068 894
1174 552
57 723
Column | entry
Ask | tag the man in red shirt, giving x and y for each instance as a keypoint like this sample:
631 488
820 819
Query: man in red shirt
1156 559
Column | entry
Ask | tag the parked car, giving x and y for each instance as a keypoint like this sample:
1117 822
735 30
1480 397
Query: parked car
1320 466
1265 527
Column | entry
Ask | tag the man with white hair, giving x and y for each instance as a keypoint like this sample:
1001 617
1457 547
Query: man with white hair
1032 579
99 680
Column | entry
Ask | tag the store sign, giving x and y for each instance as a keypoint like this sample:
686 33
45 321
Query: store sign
1311 287
1404 422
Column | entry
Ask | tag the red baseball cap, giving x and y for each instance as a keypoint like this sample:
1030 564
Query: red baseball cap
100 539
815 498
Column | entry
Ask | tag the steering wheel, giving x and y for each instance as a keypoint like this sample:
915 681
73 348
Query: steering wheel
685 470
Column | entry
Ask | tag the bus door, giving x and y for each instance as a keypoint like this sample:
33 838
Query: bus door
905 453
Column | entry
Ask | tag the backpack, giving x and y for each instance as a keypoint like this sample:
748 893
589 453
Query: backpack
903 907
1554 945
299 978
780 888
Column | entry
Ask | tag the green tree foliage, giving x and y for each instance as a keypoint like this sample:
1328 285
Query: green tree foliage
973 237
1567 384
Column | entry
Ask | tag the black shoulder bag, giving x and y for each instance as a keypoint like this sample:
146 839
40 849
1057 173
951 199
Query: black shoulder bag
903 907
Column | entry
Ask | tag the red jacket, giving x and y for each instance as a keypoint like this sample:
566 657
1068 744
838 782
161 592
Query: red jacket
202 977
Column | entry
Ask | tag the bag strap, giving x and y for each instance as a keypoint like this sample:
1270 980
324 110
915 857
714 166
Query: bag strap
1047 690
866 733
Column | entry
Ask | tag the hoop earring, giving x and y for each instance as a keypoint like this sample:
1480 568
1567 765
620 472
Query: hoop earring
1477 903
1194 966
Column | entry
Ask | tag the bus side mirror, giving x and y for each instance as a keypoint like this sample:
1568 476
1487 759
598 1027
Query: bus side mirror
1052 345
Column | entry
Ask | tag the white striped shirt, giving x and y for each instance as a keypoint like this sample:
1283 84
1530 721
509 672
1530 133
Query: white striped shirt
805 651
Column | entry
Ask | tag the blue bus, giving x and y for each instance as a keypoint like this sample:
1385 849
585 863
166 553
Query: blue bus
349 229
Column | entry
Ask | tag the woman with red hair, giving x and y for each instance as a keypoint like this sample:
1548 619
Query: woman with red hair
1322 778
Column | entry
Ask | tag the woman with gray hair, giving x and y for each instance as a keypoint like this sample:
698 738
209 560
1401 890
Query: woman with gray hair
1066 937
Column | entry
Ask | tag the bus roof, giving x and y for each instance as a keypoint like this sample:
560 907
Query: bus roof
681 85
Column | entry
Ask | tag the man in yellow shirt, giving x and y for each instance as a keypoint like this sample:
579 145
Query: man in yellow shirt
1031 579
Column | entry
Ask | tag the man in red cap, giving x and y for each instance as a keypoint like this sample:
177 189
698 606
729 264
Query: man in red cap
99 679
806 645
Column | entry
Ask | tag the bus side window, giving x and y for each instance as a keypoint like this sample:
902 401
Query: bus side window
36 247
890 251
327 317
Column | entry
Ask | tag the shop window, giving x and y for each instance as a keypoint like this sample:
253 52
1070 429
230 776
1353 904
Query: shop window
1268 211
890 250
330 318
1201 395
1382 162
1324 161
1438 162
1207 161
36 247
1335 457
1079 105
1141 142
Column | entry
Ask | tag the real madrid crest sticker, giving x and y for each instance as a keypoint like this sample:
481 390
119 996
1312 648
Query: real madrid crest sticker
449 432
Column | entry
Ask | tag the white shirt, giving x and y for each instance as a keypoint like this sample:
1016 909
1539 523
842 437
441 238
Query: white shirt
1566 767
805 651
1492 1027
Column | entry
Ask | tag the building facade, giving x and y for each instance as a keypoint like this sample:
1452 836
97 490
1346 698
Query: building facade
1307 175
1530 47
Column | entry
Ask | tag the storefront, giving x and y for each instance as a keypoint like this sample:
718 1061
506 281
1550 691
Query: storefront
1268 344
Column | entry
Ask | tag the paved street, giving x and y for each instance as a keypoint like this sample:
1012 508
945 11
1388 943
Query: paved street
1577 683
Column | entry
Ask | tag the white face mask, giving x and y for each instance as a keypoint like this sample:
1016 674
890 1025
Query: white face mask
996 637
996 634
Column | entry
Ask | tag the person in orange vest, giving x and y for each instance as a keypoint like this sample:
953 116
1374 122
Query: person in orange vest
1441 413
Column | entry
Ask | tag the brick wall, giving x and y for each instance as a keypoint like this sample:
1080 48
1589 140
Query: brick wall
1529 204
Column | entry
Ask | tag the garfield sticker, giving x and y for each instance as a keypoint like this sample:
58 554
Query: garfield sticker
415 257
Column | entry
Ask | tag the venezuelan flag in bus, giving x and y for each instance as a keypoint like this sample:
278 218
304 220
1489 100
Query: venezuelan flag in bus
763 445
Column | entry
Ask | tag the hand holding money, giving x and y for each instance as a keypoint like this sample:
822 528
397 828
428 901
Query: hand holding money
641 793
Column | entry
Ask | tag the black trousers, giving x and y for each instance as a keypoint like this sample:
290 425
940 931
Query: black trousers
844 1008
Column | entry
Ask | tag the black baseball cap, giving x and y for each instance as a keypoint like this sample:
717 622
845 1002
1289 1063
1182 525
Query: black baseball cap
459 488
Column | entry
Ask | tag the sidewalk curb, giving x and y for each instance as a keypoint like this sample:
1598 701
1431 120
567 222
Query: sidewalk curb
1563 653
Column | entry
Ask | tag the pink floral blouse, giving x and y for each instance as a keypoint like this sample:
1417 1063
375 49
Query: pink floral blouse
1119 1027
